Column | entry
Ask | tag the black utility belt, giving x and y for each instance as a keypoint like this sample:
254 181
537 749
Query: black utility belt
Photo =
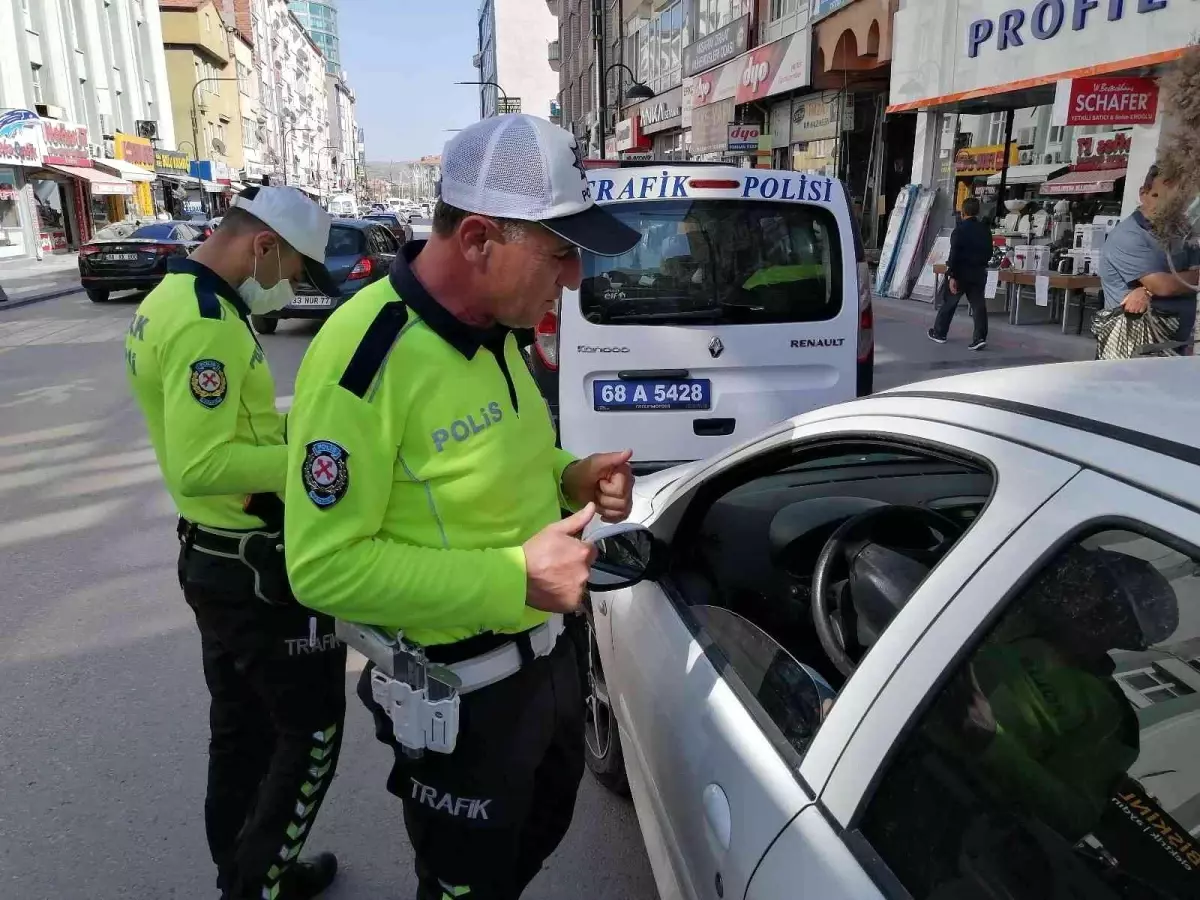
259 551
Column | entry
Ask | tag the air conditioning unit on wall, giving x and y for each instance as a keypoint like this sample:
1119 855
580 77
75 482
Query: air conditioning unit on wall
1025 158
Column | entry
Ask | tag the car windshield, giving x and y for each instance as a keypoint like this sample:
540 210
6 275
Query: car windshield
717 262
344 242
161 232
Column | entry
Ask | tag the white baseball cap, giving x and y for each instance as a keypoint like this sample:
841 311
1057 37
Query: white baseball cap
298 220
521 167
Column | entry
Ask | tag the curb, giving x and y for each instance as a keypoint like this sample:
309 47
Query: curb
50 295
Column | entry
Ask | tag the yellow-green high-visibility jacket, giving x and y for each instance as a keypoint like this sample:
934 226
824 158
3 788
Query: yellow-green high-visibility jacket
203 385
421 457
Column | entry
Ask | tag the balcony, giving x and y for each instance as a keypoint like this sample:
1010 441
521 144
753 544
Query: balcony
553 4
553 56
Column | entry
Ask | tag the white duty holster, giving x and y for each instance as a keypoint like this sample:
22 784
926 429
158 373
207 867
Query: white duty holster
421 698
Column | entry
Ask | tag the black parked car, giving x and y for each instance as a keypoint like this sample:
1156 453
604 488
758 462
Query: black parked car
137 262
358 253
392 222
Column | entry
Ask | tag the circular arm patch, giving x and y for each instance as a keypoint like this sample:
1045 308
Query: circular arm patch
325 473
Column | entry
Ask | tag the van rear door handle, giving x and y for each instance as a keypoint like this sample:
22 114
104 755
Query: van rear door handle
653 374
713 427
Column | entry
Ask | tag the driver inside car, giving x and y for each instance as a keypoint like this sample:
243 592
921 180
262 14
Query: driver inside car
1037 714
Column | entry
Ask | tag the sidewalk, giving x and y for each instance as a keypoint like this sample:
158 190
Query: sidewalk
28 281
1034 340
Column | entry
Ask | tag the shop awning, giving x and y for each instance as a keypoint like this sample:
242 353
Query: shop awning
125 170
1028 174
237 186
212 187
310 191
1099 182
101 183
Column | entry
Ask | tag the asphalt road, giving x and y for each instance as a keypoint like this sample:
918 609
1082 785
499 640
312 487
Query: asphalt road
102 748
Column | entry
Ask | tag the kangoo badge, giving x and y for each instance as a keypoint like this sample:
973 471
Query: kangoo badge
326 477
208 382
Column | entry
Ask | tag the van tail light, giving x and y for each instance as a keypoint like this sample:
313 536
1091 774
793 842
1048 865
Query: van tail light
362 269
545 340
866 315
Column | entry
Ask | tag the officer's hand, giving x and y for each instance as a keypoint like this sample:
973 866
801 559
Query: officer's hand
557 564
605 479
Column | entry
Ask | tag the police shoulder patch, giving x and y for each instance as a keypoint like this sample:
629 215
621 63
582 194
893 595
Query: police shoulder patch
325 473
208 382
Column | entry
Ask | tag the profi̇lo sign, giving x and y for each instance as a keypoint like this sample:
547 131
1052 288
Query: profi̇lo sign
1047 19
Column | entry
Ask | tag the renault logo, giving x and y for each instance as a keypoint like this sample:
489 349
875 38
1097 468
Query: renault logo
715 347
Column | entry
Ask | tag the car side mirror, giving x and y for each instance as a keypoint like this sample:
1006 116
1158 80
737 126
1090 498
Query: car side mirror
624 553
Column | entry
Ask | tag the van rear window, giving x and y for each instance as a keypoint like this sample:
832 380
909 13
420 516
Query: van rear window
717 262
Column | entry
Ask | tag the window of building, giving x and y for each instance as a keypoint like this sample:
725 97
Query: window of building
656 46
37 82
207 22
712 15
1055 135
248 134
996 129
781 8
1059 759
26 15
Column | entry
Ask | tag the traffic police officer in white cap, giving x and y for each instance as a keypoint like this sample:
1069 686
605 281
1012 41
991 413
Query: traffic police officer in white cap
425 495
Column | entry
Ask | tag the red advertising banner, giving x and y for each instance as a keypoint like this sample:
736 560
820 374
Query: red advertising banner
1109 150
1113 101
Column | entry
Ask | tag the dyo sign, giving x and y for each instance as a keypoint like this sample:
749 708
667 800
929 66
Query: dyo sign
756 73
1046 19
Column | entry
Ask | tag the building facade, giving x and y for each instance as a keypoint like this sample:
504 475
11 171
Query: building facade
206 97
506 30
84 104
320 20
963 68
343 136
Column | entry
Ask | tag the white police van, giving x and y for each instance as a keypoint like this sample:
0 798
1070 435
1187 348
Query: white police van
747 301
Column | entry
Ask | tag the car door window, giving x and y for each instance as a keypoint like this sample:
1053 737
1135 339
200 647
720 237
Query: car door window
1062 758
387 243
745 563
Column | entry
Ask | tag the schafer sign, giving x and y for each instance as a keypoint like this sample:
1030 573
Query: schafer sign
1106 101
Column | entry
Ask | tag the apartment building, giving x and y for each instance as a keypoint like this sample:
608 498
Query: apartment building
84 105
517 80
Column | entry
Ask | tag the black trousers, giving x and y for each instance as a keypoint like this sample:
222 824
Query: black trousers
276 676
978 302
483 819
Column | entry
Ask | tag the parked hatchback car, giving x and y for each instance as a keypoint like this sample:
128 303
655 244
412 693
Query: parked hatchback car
943 642
135 262
358 253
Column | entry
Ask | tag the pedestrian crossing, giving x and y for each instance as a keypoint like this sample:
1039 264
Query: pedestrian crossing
40 332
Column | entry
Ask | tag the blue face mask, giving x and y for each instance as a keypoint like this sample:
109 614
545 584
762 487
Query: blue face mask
261 300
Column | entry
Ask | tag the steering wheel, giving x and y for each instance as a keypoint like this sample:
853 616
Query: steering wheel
846 542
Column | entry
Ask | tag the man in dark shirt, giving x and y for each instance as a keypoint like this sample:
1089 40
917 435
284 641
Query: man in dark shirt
966 273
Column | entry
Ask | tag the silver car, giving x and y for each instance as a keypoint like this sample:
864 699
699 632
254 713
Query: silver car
943 642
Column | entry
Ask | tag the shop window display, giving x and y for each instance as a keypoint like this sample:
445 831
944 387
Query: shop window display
12 234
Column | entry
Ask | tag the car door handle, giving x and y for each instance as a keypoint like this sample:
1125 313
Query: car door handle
717 814
713 427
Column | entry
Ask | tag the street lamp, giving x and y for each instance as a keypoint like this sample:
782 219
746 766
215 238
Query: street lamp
637 92
489 84
196 129
287 133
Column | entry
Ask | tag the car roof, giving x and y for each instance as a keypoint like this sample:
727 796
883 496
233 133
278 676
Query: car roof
359 224
1156 397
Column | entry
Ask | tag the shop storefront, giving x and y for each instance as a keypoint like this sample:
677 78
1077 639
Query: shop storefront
974 167
817 124
733 94
1095 184
210 189
172 168
660 121
20 152
963 56
134 162
74 199
630 143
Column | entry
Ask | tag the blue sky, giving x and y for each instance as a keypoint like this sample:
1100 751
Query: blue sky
403 57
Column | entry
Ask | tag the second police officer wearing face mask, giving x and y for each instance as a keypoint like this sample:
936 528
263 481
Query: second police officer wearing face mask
425 495
274 671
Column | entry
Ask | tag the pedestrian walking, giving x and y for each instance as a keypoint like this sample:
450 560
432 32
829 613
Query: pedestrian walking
966 273
425 494
275 672
1136 274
